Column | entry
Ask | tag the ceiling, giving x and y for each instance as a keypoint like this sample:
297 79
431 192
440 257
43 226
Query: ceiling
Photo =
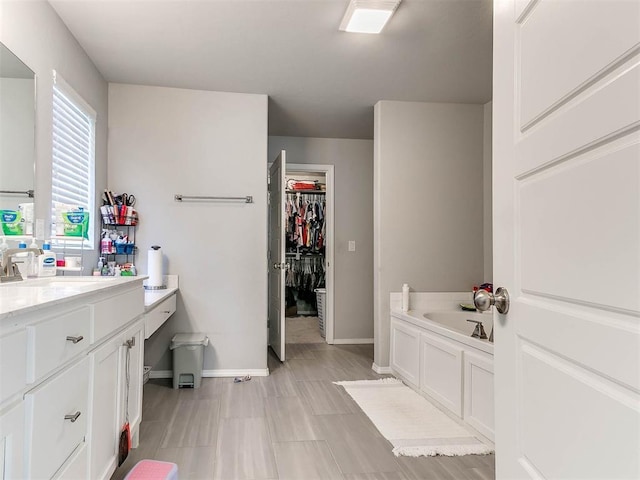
321 82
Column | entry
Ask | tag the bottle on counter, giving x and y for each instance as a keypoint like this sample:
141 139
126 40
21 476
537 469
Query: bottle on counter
47 262
405 297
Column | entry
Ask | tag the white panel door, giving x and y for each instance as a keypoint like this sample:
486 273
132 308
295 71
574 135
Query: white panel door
277 256
566 99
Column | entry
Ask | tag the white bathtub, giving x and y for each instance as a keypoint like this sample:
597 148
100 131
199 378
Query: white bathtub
434 353
457 321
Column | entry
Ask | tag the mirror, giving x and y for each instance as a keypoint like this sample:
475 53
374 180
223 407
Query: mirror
17 137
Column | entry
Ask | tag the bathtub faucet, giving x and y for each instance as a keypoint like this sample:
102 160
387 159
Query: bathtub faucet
478 332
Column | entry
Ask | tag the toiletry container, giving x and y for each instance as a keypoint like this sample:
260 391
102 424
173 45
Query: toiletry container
29 260
405 297
47 262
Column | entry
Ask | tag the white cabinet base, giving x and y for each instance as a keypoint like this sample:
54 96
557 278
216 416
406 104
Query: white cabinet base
478 393
405 351
451 373
441 372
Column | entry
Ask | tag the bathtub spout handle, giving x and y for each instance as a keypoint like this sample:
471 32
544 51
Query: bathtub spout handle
478 332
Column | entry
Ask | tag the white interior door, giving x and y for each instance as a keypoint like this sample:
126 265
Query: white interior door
277 256
567 238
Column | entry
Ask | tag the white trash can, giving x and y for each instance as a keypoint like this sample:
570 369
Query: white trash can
188 358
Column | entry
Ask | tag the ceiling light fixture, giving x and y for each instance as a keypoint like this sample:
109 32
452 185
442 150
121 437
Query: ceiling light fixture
368 16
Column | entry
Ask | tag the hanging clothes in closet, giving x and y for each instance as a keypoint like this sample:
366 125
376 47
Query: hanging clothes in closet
305 273
305 231
305 247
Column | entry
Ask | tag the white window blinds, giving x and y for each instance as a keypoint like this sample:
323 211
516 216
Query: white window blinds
73 151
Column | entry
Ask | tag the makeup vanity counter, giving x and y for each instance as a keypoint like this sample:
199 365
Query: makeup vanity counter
159 305
65 346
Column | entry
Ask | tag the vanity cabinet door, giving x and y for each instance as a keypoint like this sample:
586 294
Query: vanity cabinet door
104 428
12 431
133 340
57 419
405 351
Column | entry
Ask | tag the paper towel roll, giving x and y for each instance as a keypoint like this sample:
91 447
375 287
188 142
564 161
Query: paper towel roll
154 267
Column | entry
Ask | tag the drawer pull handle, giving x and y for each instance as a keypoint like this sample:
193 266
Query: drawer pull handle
73 417
75 339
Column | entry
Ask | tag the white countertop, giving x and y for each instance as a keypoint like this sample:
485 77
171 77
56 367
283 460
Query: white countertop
34 294
154 297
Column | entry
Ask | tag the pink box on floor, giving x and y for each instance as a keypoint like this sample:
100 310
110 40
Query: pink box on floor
153 470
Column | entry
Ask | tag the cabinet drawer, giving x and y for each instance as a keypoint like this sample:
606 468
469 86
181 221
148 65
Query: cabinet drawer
76 466
13 363
52 437
156 317
54 341
111 314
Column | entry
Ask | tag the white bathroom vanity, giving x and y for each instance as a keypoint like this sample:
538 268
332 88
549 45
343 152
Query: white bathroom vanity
65 346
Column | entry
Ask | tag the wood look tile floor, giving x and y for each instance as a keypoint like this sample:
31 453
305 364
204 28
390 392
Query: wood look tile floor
294 425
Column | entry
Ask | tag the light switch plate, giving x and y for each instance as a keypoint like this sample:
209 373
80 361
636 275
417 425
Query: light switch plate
352 245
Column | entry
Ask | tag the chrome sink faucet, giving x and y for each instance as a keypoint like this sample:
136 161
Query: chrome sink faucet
9 271
478 332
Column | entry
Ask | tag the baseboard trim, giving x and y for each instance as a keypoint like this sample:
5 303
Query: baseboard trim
216 373
381 370
352 341
257 372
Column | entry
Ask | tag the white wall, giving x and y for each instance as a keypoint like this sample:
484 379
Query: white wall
164 141
487 203
35 33
428 195
353 274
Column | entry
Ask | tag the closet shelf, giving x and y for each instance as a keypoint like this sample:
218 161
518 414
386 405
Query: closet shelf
309 192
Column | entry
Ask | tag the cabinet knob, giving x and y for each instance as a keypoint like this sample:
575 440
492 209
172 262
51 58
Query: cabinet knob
75 339
73 417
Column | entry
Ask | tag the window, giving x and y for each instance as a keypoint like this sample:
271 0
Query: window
72 164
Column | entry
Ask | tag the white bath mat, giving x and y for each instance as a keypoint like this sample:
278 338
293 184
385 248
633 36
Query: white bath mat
411 423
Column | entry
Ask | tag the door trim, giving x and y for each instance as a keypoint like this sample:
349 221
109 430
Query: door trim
328 170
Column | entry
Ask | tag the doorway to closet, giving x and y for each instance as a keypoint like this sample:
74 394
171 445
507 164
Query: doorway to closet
301 250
